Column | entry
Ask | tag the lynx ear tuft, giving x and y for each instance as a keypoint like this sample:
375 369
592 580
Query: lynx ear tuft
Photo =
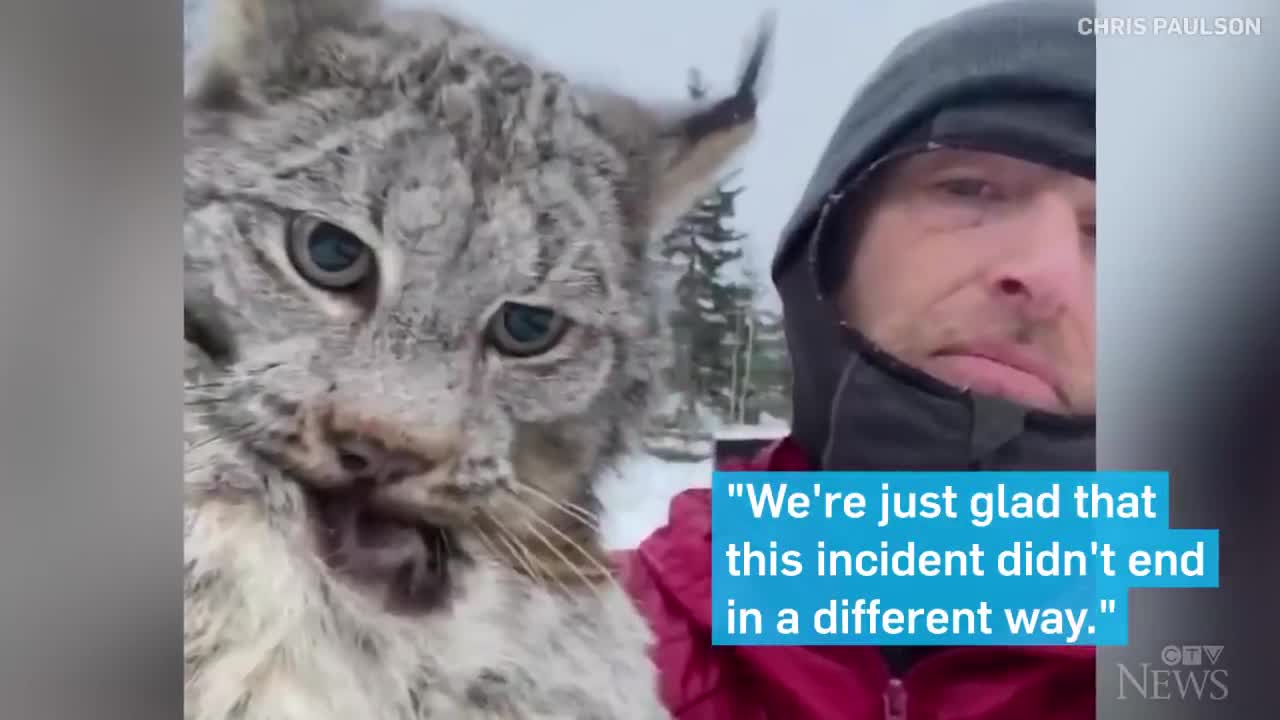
254 39
695 145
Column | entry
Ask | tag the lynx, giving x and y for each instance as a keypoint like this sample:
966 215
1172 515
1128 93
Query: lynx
420 325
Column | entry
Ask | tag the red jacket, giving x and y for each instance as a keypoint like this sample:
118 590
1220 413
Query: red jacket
669 578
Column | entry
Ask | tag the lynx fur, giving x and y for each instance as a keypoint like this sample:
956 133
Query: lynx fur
389 497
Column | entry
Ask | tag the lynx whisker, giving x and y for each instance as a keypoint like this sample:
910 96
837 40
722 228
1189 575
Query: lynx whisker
571 509
587 555
520 551
564 560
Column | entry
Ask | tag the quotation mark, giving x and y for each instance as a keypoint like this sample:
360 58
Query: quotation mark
736 490
1108 606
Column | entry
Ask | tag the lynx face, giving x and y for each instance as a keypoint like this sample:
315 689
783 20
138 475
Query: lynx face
419 317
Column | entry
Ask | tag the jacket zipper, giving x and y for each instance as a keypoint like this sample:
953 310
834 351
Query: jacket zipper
895 700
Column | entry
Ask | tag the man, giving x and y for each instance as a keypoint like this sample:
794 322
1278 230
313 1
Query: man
938 284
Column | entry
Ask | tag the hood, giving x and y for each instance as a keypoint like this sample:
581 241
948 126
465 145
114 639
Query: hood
1014 77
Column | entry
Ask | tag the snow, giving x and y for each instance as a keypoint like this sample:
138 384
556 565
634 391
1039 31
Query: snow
773 428
679 445
767 420
635 498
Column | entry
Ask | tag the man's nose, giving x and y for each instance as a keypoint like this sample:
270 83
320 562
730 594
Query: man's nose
1047 264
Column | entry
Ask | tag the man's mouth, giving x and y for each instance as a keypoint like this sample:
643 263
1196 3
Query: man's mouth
404 564
1000 369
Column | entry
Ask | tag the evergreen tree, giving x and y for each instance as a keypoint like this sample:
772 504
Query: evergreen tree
730 363
705 307
762 366
707 304
769 379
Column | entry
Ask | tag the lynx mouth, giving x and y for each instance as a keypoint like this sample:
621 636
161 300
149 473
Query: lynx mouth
404 565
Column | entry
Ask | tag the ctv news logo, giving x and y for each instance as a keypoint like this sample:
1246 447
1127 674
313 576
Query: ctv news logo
1185 672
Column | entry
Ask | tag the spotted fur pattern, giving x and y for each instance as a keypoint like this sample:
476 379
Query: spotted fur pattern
476 177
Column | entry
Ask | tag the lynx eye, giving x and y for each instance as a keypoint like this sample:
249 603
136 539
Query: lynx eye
328 256
521 330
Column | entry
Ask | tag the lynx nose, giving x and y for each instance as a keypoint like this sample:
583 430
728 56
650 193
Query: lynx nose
368 462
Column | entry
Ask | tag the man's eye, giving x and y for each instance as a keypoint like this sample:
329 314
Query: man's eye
967 188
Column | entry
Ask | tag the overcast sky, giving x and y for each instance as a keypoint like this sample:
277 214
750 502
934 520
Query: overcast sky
824 49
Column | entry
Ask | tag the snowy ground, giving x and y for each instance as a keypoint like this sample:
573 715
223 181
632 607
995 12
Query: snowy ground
635 499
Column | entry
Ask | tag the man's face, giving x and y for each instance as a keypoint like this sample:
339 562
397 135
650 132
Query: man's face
979 269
